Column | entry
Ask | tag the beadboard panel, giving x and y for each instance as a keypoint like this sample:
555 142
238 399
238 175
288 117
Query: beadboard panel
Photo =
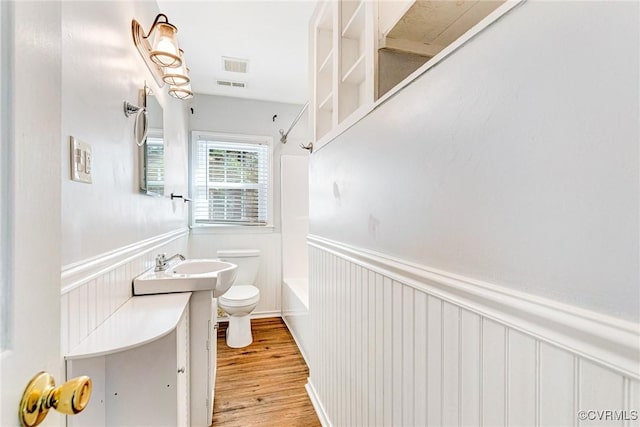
99 289
392 349
78 273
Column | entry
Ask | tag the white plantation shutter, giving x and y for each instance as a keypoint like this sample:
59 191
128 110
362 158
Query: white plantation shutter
231 182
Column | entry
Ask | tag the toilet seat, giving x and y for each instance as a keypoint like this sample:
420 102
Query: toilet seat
240 296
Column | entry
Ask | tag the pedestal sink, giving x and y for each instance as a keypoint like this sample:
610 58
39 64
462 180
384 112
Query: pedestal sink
187 276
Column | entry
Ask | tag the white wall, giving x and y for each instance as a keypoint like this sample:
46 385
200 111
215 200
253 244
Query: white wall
251 117
101 68
474 240
514 161
110 232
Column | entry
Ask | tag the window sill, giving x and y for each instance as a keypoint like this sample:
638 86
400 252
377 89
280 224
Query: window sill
231 229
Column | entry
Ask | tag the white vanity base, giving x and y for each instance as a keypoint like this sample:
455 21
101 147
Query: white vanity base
139 364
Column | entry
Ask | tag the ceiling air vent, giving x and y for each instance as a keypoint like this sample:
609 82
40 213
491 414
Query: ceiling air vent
230 83
235 65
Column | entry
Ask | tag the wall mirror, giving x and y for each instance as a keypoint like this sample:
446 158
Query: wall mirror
152 151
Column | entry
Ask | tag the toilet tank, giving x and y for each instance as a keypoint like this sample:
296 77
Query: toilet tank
248 262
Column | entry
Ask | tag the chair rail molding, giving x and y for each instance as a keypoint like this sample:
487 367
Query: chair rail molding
76 274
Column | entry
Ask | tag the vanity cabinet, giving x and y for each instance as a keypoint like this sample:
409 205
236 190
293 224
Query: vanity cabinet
203 310
138 361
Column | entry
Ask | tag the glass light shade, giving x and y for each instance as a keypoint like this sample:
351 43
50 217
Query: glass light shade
177 76
181 92
165 46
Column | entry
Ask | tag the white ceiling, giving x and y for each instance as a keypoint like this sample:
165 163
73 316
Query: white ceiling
272 35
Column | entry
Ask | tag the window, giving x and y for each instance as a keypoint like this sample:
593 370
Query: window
154 163
231 179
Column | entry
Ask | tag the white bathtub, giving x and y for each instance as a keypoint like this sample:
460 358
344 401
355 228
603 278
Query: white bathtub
295 312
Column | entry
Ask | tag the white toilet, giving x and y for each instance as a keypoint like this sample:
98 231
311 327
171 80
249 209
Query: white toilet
242 297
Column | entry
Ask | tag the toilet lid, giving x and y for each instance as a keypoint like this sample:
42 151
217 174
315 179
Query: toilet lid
241 295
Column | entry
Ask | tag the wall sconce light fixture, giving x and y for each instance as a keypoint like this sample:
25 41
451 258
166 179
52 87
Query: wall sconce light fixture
162 55
181 92
177 76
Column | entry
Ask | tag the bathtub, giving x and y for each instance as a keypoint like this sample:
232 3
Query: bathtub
295 312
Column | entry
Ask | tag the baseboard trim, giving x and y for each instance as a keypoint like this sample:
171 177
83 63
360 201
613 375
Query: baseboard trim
317 405
291 331
75 274
265 314
606 340
256 315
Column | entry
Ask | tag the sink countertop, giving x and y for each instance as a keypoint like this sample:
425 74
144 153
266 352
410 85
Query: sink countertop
140 320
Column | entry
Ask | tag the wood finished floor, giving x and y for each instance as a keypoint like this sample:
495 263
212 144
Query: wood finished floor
262 384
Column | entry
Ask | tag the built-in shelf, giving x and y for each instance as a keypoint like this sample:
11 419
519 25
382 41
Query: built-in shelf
355 25
327 103
372 43
325 66
342 64
139 321
326 21
357 73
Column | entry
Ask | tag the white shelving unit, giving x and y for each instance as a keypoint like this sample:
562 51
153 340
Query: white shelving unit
353 45
342 39
323 70
364 51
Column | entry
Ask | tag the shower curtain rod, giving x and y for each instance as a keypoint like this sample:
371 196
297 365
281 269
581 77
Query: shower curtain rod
283 134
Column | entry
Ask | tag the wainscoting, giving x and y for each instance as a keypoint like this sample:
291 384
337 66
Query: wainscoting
92 290
401 344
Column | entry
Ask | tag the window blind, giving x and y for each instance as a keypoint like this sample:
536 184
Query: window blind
231 182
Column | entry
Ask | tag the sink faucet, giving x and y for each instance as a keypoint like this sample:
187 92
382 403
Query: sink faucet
162 261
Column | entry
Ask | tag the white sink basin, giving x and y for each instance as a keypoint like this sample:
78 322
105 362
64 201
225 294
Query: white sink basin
187 276
200 266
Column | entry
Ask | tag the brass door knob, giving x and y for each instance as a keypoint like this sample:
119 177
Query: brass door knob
41 394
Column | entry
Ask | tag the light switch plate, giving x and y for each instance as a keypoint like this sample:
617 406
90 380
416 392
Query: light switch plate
81 159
